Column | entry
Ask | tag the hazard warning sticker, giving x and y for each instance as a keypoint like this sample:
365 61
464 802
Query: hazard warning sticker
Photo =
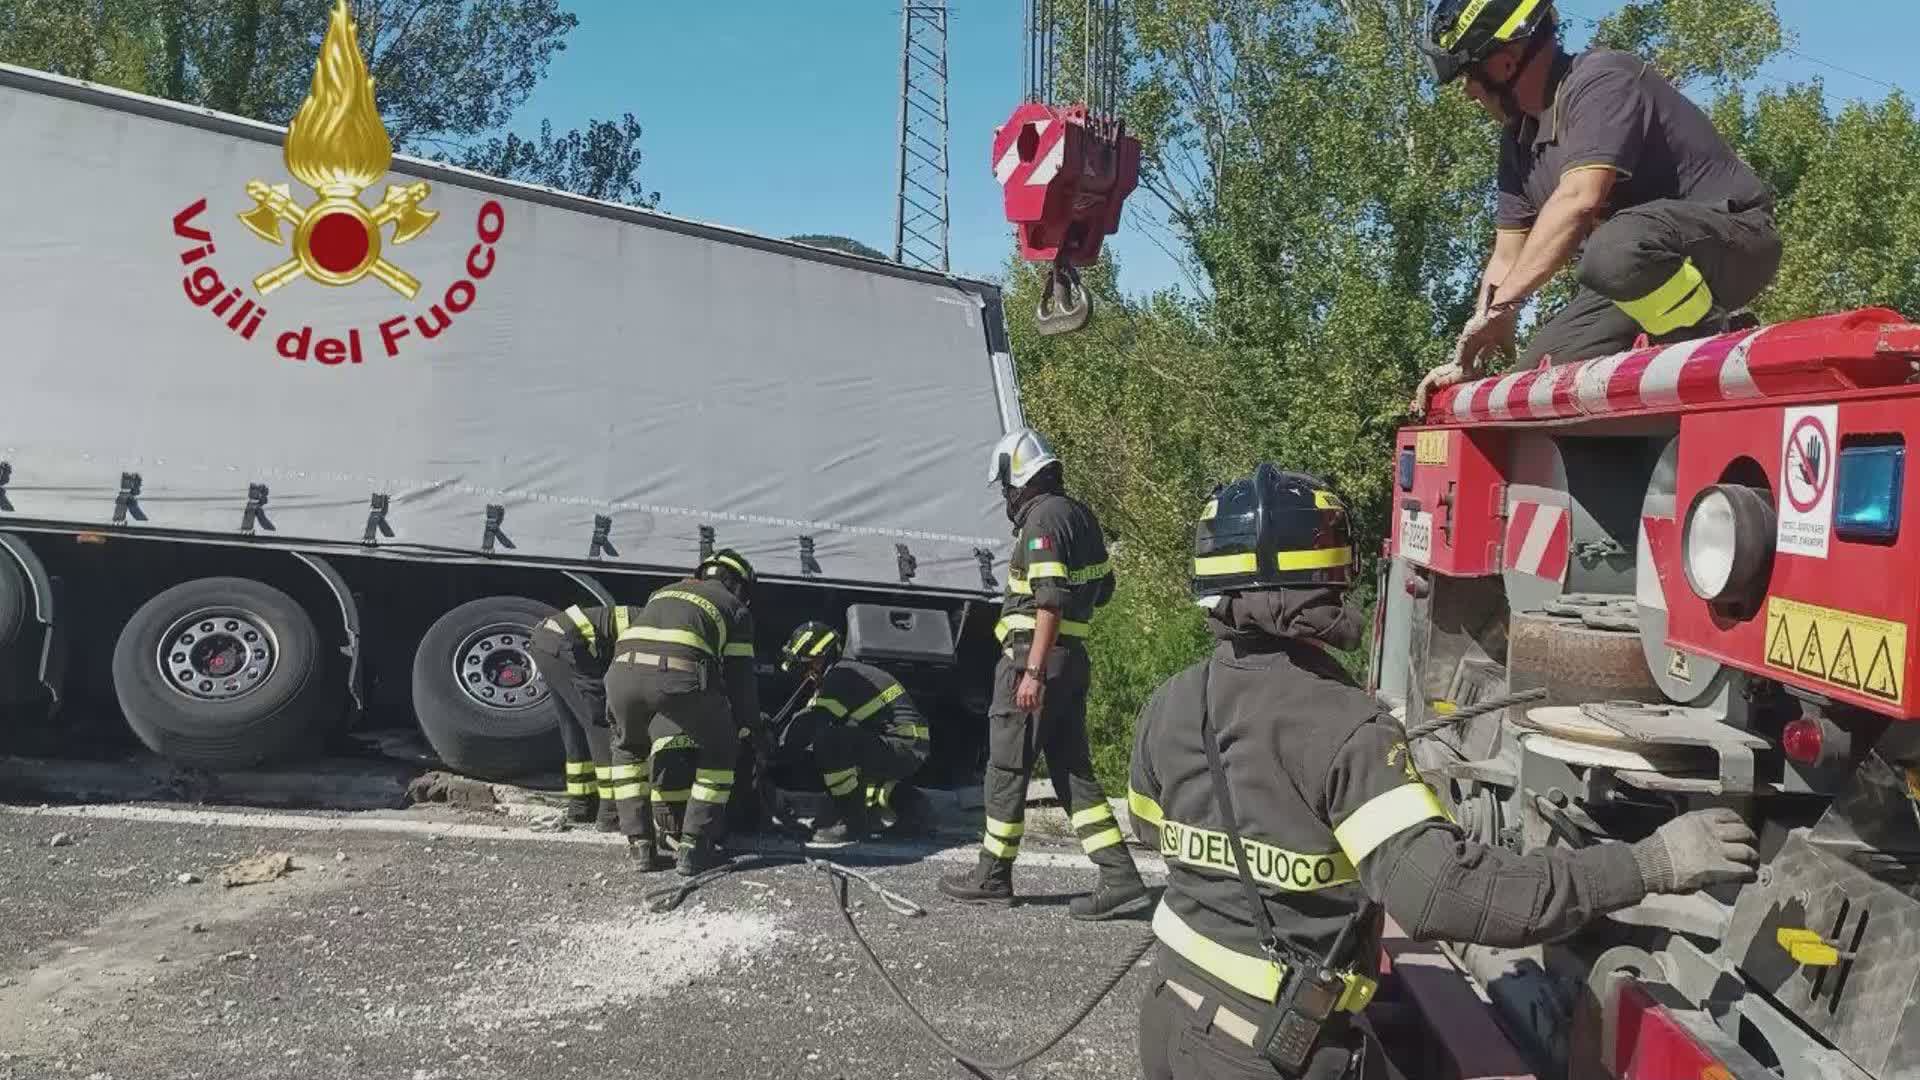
1806 480
1856 652
1416 536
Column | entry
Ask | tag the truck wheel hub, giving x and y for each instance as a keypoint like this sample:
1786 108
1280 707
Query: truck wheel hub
217 654
495 669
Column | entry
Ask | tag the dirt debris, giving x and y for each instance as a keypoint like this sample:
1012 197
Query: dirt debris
257 870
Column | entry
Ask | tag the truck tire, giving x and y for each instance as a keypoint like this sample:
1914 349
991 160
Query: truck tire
16 601
481 703
222 673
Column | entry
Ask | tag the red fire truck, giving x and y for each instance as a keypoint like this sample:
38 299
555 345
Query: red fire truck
1695 565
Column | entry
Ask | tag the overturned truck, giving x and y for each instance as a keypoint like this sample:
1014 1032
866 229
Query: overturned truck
281 458
1699 561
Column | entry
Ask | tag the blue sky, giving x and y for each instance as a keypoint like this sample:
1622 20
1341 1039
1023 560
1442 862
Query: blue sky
782 117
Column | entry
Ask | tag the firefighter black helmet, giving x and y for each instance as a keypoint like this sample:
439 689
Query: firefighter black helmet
810 642
729 559
1461 33
1270 530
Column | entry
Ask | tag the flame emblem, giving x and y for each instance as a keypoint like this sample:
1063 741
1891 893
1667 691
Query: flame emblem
338 146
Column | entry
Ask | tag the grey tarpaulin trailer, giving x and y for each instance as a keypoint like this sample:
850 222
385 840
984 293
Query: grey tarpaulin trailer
576 400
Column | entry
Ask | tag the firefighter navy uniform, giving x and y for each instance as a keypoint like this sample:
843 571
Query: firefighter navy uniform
572 650
683 677
1331 809
1058 564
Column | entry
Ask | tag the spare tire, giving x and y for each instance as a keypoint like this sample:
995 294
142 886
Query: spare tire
222 673
482 704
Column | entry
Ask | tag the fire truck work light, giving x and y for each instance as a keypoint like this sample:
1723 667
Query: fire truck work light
1727 542
1867 502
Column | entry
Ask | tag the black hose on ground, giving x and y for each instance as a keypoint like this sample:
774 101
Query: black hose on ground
1479 708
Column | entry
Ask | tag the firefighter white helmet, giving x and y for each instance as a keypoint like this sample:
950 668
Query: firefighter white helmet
1019 457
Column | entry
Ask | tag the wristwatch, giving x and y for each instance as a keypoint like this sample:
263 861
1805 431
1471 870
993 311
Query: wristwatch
1039 673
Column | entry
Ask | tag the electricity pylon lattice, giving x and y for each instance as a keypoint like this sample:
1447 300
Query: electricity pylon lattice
920 223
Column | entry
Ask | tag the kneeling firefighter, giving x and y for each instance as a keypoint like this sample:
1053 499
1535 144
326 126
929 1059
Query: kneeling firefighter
683 673
1289 811
863 733
572 650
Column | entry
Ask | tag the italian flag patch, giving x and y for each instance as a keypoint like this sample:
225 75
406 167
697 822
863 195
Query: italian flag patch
1039 543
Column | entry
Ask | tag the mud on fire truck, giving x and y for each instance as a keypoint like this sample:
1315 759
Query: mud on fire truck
1702 555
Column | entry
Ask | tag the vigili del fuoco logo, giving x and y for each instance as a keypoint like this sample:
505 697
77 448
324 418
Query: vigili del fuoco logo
338 146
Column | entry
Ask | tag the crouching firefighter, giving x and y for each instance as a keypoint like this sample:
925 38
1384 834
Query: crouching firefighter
864 733
1289 811
1056 577
682 675
572 650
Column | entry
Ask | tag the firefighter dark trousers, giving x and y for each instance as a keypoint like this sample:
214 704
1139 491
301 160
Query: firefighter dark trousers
584 736
1189 1031
851 758
1015 739
659 715
1668 269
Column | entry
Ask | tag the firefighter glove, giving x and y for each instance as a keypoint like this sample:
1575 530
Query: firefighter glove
1693 851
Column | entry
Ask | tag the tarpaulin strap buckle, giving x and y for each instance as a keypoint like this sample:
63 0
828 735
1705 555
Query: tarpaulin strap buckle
602 538
907 563
127 502
256 511
495 515
377 518
809 566
6 477
706 542
985 558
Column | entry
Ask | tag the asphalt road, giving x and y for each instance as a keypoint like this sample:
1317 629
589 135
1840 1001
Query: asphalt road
442 948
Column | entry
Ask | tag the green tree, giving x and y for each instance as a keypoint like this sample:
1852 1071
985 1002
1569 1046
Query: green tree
832 242
601 162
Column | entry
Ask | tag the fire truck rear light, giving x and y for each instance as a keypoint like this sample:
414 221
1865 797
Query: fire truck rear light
1650 1044
1803 740
1867 502
1728 542
1406 469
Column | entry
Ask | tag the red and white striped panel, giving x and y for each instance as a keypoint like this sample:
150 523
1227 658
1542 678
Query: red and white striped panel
1537 541
1703 371
1048 154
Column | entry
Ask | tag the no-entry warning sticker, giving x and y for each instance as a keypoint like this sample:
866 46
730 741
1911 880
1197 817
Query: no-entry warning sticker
1806 480
1857 652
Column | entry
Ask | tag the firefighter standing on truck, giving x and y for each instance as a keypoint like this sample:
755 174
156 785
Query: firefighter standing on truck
1598 149
683 673
571 650
1333 817
1056 577
863 732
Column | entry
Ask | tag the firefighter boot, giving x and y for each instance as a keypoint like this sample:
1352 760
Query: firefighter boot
913 811
991 882
609 816
1120 892
698 855
847 825
581 809
645 849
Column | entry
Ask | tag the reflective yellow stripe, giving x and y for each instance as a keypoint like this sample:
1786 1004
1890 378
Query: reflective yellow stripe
1314 558
624 772
798 645
845 785
585 626
1385 816
1040 570
820 646
1218 565
678 795
837 775
882 795
630 791
714 776
701 602
1515 20
1018 586
672 742
1326 500
1143 808
1010 624
1009 830
1684 300
1000 849
579 768
1093 815
708 793
880 701
673 637
1206 849
828 704
1105 838
910 731
735 565
1252 975
622 618
579 787
603 772
739 648
1089 573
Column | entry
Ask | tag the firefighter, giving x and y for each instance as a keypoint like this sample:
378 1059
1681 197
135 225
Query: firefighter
1598 150
572 650
864 734
682 678
1333 816
1056 577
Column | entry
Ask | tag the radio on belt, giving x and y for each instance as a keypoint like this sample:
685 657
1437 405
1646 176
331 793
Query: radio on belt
1447 510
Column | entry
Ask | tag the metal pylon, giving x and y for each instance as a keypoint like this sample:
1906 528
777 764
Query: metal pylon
920 223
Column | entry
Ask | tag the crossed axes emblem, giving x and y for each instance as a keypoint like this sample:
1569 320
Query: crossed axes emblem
401 207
